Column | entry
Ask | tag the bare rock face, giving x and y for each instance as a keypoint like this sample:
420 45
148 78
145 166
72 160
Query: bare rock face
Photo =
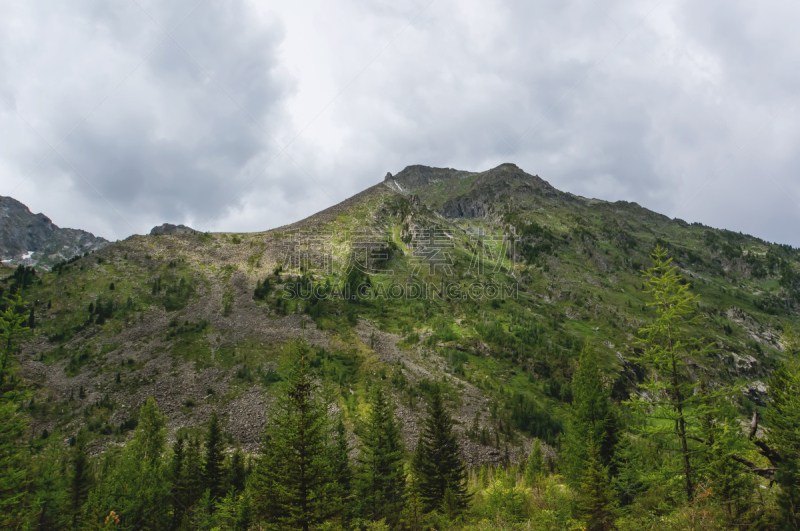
32 239
169 228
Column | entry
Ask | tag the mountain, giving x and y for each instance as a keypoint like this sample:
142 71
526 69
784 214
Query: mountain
34 240
482 284
169 228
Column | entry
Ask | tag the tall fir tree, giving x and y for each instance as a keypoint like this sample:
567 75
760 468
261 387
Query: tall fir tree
670 401
381 482
213 460
294 485
595 494
594 420
534 466
437 461
176 470
51 488
80 480
236 474
629 479
343 470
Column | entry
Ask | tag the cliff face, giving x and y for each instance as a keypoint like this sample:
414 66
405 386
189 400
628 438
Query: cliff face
33 239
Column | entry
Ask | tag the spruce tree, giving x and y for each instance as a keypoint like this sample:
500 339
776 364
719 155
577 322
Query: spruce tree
595 495
176 478
594 420
192 473
236 473
380 485
534 467
437 462
629 479
80 479
294 485
213 478
343 470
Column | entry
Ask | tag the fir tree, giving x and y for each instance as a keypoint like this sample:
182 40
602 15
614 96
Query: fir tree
176 477
380 484
595 496
192 473
437 462
80 480
593 418
534 467
213 478
294 485
236 473
342 469
628 481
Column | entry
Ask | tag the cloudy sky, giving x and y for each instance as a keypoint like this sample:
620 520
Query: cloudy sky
242 115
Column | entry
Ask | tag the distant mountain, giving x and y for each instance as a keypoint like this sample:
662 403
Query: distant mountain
32 239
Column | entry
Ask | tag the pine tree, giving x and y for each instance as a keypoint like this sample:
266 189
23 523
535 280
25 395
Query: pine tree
294 485
669 398
437 462
213 460
534 467
31 319
380 483
593 419
80 480
595 496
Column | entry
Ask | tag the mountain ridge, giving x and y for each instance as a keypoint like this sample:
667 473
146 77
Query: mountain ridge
190 312
33 239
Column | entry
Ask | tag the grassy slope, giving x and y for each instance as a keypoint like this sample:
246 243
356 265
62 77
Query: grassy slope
207 344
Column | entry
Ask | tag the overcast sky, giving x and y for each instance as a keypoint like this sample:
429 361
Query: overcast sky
243 116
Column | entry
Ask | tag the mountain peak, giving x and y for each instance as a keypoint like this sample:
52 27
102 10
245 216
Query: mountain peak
33 239
169 228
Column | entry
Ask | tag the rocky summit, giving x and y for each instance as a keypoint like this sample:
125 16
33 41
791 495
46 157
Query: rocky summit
169 228
33 240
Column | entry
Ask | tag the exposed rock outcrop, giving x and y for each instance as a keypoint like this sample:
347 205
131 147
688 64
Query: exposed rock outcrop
33 239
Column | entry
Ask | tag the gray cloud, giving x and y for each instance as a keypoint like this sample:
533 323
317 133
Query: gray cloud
688 109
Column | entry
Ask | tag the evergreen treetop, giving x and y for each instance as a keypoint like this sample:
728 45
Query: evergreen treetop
437 462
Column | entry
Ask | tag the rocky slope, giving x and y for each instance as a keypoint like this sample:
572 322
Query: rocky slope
32 239
185 316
